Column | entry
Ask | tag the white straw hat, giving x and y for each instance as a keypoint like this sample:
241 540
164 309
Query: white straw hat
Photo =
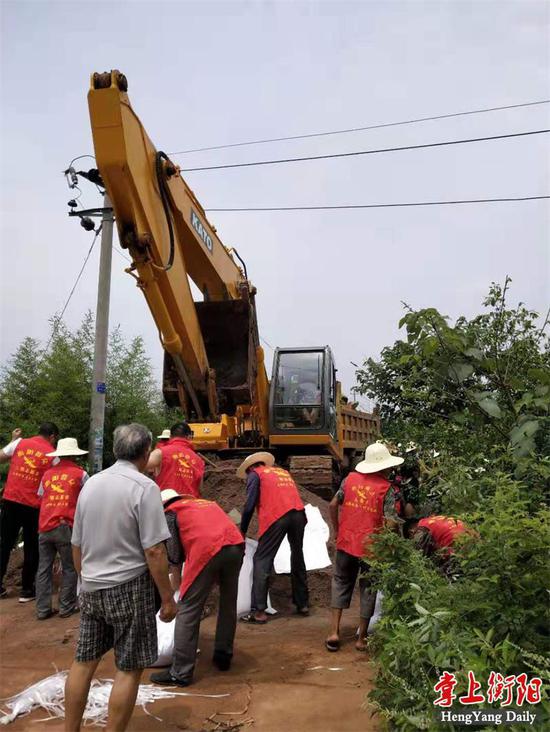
66 447
165 435
257 457
167 494
377 457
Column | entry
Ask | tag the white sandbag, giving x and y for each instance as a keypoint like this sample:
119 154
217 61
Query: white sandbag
316 536
165 640
376 616
377 612
244 597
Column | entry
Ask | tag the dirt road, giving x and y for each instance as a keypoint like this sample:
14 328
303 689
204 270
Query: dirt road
273 665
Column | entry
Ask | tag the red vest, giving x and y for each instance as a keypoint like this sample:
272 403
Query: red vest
278 495
27 466
181 468
204 529
443 529
61 485
361 513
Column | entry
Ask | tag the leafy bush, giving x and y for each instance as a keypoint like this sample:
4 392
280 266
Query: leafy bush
493 617
478 392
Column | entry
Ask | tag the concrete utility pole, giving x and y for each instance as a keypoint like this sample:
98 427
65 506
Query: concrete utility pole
97 411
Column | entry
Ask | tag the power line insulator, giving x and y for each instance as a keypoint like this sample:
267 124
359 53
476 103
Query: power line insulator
87 223
72 178
93 175
72 203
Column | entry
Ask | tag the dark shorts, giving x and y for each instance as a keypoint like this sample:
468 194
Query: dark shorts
123 618
346 570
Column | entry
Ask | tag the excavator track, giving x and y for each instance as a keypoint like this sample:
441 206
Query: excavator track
314 472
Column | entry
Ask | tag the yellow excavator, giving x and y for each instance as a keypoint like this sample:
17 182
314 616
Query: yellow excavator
214 366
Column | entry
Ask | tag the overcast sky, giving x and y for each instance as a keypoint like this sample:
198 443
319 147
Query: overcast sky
207 73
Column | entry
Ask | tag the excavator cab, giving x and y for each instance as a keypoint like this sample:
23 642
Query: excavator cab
302 398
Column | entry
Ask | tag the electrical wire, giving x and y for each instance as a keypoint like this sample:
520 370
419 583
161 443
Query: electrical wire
121 254
71 293
79 157
383 205
368 152
263 340
361 129
77 199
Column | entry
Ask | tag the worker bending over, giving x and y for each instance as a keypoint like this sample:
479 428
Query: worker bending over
358 510
435 536
212 547
281 513
60 488
176 465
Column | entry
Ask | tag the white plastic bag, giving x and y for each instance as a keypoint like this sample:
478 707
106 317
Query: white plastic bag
49 694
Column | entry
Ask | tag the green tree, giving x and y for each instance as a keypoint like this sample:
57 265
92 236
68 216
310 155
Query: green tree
21 388
54 384
470 386
65 378
132 392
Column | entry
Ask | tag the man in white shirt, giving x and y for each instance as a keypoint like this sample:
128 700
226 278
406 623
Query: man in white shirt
118 550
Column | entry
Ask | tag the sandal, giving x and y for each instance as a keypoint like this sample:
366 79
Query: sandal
251 618
332 645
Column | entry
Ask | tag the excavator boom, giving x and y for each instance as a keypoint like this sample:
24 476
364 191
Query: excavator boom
165 229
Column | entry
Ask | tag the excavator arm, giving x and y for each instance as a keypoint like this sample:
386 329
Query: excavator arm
213 360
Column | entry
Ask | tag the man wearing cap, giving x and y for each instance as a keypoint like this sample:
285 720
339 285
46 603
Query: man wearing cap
28 461
59 488
212 547
176 465
272 491
357 511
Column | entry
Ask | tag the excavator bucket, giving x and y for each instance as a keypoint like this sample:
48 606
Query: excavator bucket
228 332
